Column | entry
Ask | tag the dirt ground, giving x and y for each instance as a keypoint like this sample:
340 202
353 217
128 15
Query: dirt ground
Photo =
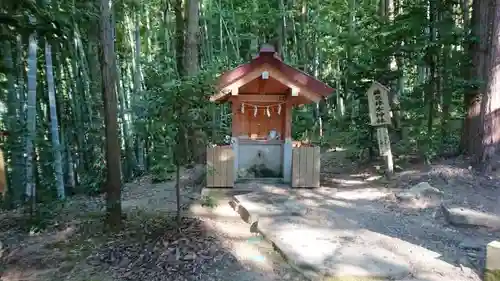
215 244
373 204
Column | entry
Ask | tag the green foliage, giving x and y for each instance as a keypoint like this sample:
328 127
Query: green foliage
176 109
42 216
397 53
169 119
209 201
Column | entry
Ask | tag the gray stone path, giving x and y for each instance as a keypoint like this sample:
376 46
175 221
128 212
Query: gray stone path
313 231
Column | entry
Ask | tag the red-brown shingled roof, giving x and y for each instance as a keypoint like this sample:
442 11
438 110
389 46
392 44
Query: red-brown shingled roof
268 55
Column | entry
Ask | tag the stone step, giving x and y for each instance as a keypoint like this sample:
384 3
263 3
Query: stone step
260 180
323 245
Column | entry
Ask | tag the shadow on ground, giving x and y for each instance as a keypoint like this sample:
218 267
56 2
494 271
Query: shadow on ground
151 246
428 247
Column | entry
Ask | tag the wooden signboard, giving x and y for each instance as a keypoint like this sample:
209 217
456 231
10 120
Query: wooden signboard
378 104
380 117
384 145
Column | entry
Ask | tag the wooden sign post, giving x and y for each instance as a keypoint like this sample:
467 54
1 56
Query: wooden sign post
380 118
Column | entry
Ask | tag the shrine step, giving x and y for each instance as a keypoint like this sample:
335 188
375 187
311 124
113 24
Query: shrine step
261 180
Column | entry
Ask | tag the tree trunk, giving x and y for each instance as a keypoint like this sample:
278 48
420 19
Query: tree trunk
138 93
432 57
303 54
471 140
282 30
129 163
113 181
54 124
12 116
490 104
191 60
179 37
31 117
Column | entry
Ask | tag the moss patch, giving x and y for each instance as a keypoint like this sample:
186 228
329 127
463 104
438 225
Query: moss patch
492 275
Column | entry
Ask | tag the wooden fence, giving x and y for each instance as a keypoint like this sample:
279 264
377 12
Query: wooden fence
305 166
220 166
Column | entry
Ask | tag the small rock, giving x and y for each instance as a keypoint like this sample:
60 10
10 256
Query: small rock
424 188
418 191
472 256
66 267
470 245
189 257
93 260
464 261
127 274
405 196
124 262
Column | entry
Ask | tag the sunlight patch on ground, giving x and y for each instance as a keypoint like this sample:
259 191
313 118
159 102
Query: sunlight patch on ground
233 230
65 233
366 176
247 247
339 203
365 194
373 178
345 182
221 211
15 274
249 253
409 172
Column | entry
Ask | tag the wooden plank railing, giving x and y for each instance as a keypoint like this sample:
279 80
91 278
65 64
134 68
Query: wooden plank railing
305 166
220 166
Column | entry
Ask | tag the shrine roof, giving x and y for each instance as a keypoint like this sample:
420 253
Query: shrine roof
268 57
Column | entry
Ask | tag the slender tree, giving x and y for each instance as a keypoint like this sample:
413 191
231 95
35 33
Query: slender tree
108 72
31 117
54 124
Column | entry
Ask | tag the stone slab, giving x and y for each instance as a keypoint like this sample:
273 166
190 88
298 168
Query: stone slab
264 204
337 249
468 217
323 245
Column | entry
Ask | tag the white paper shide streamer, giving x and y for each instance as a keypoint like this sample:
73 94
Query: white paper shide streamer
266 107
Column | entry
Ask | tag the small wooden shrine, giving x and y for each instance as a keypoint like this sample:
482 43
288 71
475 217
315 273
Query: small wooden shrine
262 94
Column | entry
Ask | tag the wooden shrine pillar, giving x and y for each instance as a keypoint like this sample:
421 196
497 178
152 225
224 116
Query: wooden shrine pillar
235 133
288 144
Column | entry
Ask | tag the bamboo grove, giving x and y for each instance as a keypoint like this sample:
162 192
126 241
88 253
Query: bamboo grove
163 55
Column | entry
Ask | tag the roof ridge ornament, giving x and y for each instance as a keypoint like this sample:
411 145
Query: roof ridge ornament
267 48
